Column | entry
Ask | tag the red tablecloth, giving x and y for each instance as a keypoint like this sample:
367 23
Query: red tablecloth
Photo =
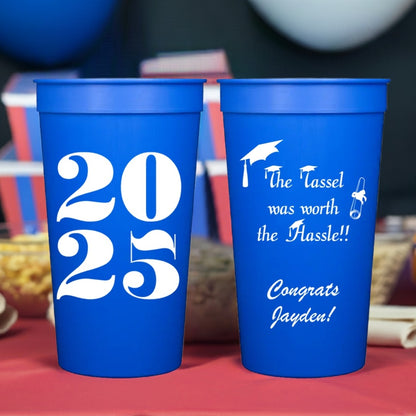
211 381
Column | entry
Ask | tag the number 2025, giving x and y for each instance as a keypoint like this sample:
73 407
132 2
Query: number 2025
100 248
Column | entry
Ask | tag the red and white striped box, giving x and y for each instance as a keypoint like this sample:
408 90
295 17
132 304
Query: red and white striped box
19 98
22 192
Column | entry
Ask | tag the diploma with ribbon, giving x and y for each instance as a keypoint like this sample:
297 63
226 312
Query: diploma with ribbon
392 326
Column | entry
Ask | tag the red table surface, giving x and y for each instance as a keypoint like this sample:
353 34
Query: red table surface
211 381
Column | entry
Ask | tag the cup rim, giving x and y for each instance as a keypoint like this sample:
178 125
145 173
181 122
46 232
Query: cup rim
115 81
304 81
304 95
119 95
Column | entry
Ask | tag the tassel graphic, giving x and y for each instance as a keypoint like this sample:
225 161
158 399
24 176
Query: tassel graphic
245 175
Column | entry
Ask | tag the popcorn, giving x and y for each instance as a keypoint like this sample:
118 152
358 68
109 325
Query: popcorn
25 267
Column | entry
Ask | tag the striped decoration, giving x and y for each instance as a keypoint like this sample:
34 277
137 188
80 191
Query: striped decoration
22 192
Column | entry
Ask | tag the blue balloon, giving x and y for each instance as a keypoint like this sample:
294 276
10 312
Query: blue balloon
50 32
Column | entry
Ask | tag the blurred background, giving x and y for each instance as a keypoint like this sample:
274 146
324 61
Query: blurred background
140 29
210 39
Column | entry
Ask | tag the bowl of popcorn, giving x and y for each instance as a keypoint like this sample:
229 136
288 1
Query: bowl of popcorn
25 272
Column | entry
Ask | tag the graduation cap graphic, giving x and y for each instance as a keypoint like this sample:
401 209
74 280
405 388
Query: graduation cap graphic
260 152
295 226
307 168
272 169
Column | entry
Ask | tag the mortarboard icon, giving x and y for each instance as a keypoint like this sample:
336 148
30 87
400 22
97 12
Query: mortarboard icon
307 168
295 226
272 169
260 152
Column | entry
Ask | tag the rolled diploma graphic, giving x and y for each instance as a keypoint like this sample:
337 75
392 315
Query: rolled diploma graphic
357 202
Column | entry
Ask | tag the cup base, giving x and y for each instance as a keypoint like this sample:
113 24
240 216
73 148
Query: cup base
303 373
119 374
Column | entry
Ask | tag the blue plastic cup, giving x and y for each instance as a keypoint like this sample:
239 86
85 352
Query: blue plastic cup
303 161
119 164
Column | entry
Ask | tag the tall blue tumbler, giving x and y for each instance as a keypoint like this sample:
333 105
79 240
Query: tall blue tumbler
303 161
119 163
